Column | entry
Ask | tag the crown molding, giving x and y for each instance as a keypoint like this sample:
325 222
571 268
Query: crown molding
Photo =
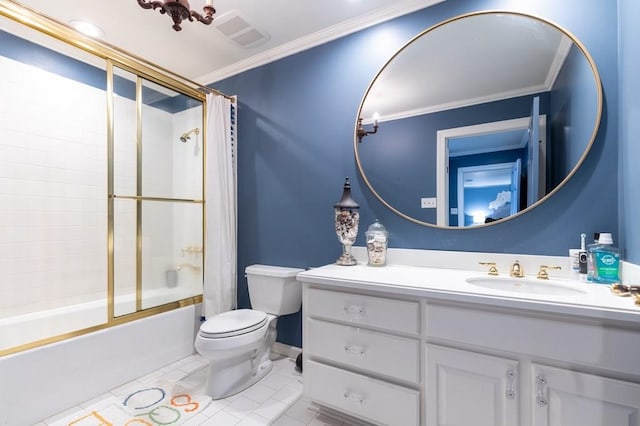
316 39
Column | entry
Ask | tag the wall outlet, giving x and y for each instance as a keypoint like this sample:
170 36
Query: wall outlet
428 203
454 210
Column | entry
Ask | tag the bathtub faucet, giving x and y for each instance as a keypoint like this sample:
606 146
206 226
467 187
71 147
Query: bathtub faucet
194 268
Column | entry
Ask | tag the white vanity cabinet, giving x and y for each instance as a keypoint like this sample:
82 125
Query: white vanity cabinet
387 353
568 398
467 388
362 355
548 372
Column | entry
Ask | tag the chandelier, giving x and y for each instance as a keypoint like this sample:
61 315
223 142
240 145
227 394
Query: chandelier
179 10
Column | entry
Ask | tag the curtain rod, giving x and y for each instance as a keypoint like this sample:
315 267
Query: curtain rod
216 92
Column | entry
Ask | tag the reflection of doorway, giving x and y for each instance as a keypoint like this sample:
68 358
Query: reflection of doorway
446 136
489 191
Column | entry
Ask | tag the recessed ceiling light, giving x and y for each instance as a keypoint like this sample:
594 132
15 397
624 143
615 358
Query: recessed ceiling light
87 28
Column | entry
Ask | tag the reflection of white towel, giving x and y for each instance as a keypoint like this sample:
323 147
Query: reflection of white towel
502 198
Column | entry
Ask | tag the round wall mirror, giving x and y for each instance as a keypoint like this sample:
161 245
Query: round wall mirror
478 119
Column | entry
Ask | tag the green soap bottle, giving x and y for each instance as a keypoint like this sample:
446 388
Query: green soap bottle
606 259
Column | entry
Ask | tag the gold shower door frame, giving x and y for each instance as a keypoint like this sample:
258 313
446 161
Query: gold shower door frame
142 69
139 198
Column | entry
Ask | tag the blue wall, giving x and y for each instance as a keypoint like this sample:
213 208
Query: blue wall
629 173
296 121
572 105
29 53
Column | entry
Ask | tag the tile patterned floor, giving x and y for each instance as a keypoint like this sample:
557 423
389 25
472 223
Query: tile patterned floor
275 400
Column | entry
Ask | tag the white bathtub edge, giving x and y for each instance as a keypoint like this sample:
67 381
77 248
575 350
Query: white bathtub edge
39 383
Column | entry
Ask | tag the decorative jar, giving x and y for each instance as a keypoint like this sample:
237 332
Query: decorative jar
377 239
347 218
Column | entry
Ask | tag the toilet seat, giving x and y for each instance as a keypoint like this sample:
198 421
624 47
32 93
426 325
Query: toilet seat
233 323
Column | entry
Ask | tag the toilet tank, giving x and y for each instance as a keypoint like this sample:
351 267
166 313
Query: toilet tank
274 289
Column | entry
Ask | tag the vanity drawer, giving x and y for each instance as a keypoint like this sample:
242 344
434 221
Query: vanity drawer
393 356
389 314
369 399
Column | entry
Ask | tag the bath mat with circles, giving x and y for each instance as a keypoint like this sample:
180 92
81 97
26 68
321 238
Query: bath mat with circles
158 404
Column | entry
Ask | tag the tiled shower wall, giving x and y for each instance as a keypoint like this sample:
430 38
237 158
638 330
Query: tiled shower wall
53 177
53 190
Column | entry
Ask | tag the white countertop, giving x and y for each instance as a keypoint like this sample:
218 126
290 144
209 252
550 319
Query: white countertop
597 301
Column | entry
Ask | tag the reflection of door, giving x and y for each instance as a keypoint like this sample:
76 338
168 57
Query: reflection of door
515 187
445 136
533 186
486 176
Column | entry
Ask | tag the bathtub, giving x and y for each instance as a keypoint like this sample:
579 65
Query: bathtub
21 329
38 383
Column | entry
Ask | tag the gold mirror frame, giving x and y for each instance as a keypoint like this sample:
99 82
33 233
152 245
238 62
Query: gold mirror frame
358 122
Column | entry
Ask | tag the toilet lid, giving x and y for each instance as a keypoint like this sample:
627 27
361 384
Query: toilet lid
233 323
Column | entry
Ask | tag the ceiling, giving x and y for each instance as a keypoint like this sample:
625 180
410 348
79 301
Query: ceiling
204 53
469 61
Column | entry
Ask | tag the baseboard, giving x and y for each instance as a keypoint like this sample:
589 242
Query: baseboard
285 350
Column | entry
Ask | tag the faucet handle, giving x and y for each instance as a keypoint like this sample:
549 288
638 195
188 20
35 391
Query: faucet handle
492 267
543 274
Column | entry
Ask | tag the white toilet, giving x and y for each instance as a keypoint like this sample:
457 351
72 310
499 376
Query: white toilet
238 343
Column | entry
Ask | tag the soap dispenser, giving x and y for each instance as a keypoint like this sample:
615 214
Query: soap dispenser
377 239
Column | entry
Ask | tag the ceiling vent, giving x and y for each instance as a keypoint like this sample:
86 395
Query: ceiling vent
238 28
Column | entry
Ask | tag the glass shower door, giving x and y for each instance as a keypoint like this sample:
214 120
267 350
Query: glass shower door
158 194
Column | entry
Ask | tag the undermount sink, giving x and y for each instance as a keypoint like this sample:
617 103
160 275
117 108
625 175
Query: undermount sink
525 285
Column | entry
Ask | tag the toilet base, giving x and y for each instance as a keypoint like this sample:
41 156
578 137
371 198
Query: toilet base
226 384
231 372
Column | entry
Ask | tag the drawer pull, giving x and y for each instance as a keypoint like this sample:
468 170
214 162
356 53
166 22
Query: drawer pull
354 310
356 350
354 397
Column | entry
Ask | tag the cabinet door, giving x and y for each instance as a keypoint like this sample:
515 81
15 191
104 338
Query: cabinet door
465 388
567 398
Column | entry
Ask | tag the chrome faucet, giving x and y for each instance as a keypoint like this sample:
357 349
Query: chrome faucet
517 270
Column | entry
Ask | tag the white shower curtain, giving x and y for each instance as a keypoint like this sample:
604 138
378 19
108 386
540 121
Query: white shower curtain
220 275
